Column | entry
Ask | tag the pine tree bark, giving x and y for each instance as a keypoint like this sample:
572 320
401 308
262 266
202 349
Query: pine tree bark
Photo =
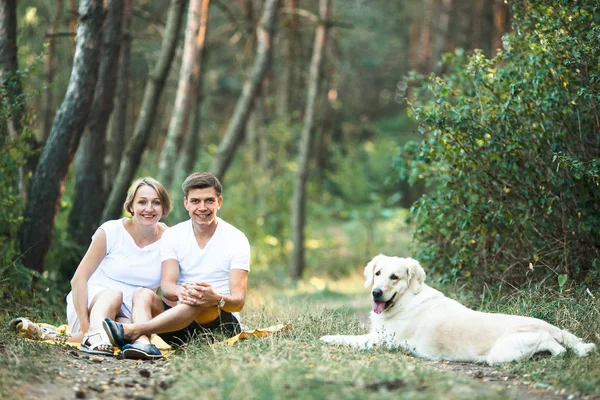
88 195
299 195
154 88
48 180
235 130
185 163
8 63
413 43
500 19
73 16
115 140
424 47
286 80
49 69
189 156
11 81
195 38
476 24
442 12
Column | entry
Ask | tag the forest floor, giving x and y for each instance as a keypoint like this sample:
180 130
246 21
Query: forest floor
70 374
295 364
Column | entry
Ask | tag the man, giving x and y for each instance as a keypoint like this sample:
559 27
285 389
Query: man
205 265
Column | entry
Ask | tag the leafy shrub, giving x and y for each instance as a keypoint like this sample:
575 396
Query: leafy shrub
511 152
13 150
21 289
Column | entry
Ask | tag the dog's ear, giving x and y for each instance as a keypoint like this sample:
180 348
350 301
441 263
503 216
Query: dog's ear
416 275
370 270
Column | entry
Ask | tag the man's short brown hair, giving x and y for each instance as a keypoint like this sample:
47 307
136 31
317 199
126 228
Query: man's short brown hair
163 195
201 180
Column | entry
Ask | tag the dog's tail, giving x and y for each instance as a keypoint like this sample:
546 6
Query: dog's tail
572 342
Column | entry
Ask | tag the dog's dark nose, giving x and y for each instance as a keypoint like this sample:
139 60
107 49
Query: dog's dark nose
377 293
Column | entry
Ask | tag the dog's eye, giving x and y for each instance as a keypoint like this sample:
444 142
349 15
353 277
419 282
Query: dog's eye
394 277
377 273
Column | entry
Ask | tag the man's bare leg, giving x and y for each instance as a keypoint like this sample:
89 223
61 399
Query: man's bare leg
173 319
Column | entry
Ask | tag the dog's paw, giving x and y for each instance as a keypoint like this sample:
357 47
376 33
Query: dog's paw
584 349
330 339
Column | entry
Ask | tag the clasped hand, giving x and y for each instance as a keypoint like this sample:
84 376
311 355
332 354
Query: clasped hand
199 294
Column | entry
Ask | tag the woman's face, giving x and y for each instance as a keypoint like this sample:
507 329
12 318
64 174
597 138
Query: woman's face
147 207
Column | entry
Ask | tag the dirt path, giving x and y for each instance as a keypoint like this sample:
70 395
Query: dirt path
523 389
72 374
75 375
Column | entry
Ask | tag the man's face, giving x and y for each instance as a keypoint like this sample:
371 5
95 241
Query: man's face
202 205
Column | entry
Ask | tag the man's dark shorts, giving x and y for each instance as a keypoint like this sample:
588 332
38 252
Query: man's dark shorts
225 326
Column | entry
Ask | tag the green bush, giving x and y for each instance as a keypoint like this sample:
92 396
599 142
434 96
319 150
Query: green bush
511 153
21 290
13 150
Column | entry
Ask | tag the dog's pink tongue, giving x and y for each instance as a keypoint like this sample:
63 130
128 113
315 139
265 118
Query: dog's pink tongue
378 307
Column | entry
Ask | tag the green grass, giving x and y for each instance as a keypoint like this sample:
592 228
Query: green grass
294 364
20 361
579 314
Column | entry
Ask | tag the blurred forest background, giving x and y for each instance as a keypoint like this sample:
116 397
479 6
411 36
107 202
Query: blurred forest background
463 133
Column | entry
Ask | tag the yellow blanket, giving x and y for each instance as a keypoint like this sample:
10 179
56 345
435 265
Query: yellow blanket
166 350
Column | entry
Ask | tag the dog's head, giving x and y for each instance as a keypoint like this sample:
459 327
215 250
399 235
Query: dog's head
391 277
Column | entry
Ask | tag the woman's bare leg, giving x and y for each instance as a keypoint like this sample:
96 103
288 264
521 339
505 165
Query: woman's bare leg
146 305
106 304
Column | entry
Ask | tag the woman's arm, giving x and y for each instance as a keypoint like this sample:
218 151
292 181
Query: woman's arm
88 265
168 284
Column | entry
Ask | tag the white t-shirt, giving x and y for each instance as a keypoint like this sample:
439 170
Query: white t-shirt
125 267
226 250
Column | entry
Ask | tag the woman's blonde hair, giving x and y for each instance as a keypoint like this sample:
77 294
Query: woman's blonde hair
163 196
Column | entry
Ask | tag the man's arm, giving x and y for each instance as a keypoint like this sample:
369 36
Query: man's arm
204 294
238 284
168 285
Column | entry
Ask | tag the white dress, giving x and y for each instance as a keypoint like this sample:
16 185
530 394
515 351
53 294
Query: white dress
125 268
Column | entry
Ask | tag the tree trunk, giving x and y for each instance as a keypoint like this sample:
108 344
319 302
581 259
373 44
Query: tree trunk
328 120
286 81
154 87
255 129
48 98
9 65
243 108
443 9
413 45
476 24
88 196
461 24
500 19
11 81
73 16
115 141
185 163
299 195
195 38
424 47
189 154
48 180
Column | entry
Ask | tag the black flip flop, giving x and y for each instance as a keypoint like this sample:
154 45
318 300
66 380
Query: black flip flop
115 332
141 351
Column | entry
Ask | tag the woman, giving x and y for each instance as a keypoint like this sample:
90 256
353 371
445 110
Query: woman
123 255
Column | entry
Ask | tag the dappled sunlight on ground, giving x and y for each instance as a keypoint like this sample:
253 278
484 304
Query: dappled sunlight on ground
350 285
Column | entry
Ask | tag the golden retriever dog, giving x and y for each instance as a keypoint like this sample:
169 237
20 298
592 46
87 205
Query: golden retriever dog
411 315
